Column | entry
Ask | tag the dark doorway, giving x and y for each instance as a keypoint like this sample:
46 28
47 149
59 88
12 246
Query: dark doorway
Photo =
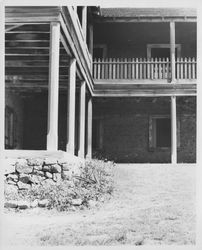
163 132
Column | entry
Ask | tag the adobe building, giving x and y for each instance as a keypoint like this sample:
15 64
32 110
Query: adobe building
117 83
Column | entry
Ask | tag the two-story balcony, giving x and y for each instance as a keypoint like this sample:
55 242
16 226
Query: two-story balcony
142 70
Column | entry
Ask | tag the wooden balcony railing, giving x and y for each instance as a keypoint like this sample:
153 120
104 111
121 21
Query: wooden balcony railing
138 68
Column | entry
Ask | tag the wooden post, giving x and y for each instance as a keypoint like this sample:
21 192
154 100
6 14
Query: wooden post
81 150
71 108
53 86
89 128
84 21
173 130
173 98
2 81
91 39
172 50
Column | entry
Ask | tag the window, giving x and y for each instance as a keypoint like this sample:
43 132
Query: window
162 50
160 132
97 134
10 128
100 51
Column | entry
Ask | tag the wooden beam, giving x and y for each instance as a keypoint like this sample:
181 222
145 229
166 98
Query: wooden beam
81 150
53 87
144 19
71 102
89 128
172 51
173 130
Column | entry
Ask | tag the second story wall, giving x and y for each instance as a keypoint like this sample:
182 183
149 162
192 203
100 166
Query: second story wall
127 40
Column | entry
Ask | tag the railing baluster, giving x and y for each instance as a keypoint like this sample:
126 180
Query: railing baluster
193 69
167 68
140 68
103 68
110 68
144 68
148 68
98 69
189 68
155 69
95 69
185 68
117 68
125 69
163 68
160 69
152 68
136 69
181 68
133 68
177 69
114 68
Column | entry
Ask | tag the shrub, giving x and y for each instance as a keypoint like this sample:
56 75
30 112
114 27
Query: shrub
94 182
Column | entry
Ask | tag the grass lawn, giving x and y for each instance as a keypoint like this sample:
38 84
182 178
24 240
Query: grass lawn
151 204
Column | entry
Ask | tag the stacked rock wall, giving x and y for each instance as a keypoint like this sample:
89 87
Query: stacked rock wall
24 173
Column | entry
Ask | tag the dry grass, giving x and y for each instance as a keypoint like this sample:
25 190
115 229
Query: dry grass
151 205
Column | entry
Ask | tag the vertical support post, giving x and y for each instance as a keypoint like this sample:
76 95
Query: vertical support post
84 21
172 50
2 117
173 98
81 150
53 86
91 39
71 99
173 130
89 128
2 81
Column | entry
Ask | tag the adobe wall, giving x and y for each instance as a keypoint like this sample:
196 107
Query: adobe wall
126 129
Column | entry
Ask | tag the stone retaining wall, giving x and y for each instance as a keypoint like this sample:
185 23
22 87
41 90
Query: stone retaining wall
22 174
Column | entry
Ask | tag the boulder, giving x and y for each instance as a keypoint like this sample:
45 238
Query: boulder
39 173
13 177
36 162
11 182
38 167
50 161
23 204
22 167
10 189
47 168
48 175
36 179
76 202
25 178
43 203
11 204
57 177
55 168
23 186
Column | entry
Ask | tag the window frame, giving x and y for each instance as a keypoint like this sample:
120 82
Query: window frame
152 132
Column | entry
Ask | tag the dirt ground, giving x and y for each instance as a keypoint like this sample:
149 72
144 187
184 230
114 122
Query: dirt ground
151 205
